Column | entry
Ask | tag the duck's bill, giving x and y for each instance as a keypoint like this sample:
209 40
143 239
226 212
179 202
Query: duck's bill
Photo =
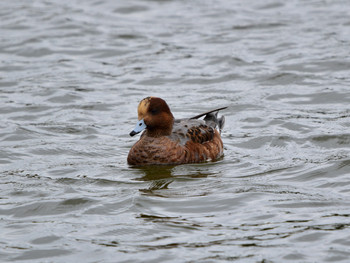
140 126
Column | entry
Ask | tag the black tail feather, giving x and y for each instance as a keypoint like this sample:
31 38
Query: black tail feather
212 119
208 112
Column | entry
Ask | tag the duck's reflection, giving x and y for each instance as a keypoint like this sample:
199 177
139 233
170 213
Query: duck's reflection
150 173
160 177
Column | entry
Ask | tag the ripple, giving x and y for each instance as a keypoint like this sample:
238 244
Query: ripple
258 26
42 253
48 208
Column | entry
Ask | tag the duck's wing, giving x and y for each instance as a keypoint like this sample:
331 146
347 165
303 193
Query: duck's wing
198 131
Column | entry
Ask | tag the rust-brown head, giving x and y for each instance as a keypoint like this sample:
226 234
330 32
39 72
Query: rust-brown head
155 116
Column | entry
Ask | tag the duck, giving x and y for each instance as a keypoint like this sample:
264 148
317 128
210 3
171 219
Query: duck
169 141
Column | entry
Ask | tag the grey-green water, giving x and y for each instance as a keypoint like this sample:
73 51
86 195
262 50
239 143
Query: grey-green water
71 76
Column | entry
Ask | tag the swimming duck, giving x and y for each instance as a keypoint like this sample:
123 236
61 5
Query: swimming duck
169 141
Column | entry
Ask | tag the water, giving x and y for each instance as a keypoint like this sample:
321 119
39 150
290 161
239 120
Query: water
71 76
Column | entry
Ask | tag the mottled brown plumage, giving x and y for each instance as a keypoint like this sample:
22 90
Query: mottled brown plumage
169 141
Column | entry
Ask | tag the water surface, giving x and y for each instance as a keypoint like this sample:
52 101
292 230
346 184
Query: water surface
71 76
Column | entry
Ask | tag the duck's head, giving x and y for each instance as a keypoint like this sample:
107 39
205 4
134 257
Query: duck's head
155 116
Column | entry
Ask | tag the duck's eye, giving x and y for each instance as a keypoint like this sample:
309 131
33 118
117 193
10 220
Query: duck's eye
154 111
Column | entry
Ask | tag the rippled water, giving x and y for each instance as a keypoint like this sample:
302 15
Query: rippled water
71 76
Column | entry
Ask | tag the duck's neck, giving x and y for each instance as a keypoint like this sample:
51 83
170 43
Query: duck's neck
165 130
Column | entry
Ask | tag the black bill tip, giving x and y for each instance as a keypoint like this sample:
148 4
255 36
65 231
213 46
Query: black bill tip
133 133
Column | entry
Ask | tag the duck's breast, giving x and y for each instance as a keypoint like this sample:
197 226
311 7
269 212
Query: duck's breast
162 150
